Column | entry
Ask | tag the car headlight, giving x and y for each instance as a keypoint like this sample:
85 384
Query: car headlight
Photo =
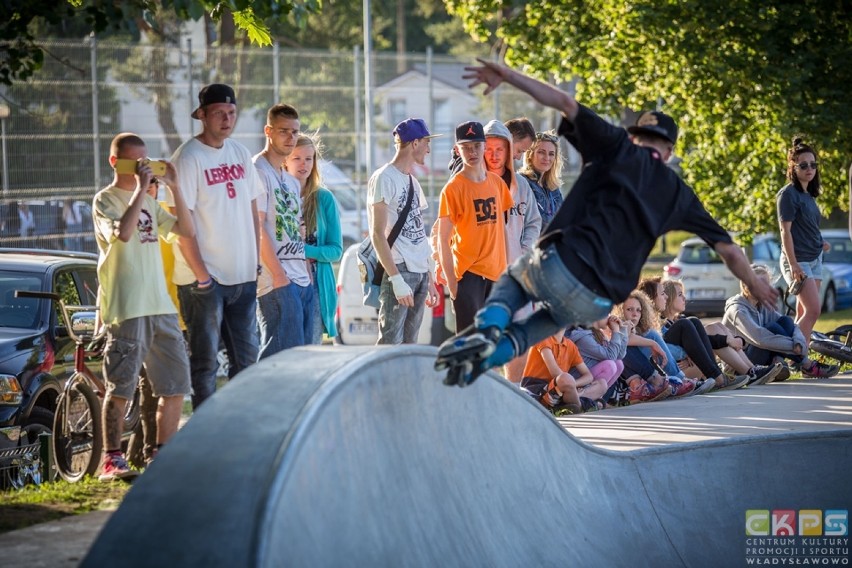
10 391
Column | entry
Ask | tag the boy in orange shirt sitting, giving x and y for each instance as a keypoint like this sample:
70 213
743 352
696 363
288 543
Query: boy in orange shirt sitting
548 379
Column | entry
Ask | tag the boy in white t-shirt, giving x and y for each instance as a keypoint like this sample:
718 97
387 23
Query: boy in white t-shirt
407 285
216 271
141 319
285 296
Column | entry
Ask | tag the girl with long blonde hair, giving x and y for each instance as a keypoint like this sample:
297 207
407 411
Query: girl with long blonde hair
323 241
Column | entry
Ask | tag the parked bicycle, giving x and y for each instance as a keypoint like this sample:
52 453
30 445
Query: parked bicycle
77 428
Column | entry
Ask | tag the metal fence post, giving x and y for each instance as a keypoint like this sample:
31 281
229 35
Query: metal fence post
276 72
368 92
431 81
356 74
96 135
189 82
48 464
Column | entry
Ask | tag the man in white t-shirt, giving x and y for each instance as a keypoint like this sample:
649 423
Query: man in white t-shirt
407 285
285 296
216 271
141 319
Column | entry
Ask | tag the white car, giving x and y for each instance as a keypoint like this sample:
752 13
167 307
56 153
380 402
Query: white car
358 324
353 216
709 283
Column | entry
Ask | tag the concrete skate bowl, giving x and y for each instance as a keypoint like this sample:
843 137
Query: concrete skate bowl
362 457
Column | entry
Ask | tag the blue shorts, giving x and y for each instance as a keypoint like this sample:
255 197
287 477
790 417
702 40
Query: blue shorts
812 269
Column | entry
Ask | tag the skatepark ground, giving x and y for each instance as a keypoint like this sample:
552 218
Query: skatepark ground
805 405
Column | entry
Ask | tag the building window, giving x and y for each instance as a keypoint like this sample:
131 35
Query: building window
396 111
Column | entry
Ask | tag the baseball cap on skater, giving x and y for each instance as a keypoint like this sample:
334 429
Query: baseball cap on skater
655 123
470 132
212 94
412 129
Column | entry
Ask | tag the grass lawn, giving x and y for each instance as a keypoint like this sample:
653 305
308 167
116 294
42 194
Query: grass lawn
829 322
50 501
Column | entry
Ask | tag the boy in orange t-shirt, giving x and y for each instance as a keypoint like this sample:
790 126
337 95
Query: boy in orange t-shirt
547 374
471 226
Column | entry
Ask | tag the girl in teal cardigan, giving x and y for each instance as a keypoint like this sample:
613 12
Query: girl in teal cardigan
323 243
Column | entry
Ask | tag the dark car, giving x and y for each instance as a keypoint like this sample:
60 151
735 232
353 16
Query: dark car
36 355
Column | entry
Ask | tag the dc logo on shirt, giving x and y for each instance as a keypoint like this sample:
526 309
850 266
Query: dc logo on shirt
485 209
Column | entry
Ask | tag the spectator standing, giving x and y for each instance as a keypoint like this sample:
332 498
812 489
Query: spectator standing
543 170
407 285
523 134
285 303
323 240
72 221
802 244
523 220
141 319
26 220
471 226
216 270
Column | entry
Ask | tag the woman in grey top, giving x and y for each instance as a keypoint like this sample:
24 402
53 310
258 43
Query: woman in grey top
801 241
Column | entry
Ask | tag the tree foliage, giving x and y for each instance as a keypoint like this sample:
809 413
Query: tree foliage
21 55
741 78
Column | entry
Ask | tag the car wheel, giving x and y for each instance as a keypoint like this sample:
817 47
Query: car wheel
829 304
40 421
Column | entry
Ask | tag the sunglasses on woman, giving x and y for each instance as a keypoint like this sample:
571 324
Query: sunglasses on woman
805 166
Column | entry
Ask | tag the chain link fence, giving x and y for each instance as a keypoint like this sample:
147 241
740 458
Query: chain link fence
55 141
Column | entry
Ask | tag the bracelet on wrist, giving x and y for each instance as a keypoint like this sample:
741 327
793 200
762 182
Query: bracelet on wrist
206 282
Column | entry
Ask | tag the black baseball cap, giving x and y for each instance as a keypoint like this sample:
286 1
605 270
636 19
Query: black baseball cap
470 132
214 93
655 123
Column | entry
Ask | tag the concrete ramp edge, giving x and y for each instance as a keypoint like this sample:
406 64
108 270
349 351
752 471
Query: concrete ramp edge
362 457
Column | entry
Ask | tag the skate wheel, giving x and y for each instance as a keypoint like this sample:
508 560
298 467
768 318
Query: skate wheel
452 377
465 372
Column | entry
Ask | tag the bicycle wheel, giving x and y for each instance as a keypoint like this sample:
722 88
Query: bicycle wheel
77 435
831 348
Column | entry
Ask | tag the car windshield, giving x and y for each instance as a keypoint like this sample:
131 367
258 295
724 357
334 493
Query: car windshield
699 254
840 252
18 312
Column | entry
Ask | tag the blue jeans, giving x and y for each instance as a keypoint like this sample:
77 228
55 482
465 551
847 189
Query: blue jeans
317 328
401 324
637 360
285 318
759 356
212 315
540 276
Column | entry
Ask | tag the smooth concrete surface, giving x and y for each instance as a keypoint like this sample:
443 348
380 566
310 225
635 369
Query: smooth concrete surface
56 544
805 405
361 457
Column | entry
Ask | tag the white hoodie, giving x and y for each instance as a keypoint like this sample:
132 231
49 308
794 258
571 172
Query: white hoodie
524 224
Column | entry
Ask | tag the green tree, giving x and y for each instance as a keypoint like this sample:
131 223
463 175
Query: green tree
21 54
741 78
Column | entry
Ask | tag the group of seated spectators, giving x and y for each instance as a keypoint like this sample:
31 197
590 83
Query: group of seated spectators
648 350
